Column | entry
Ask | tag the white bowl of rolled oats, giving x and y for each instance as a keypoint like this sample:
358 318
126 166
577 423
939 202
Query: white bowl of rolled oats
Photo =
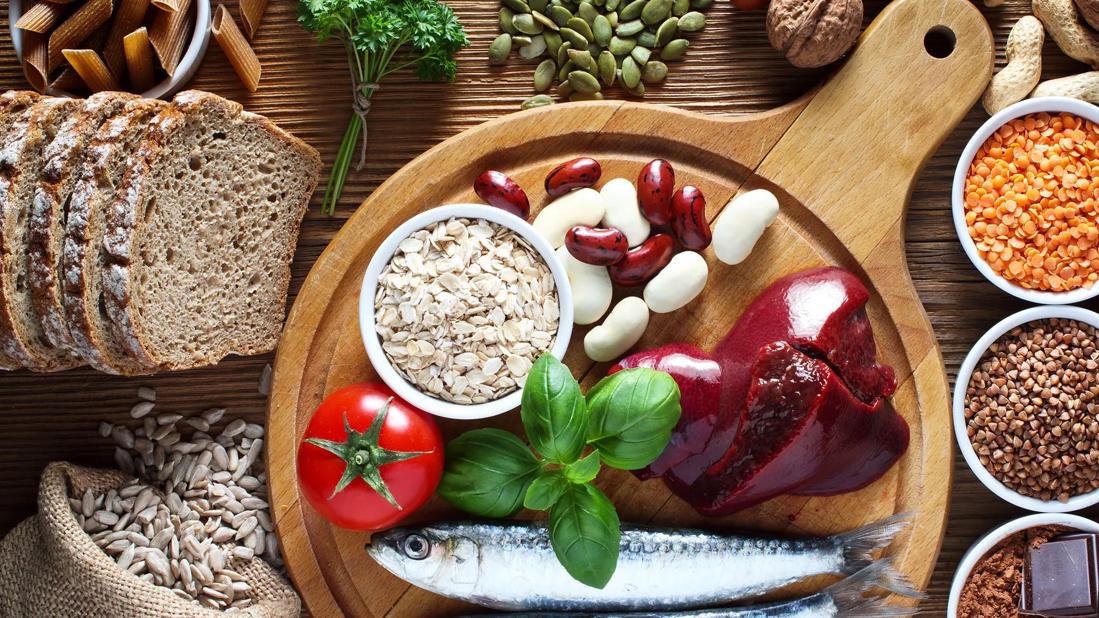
456 305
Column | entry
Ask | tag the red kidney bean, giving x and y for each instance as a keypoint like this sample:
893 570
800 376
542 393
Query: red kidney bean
689 223
643 261
655 185
601 246
500 191
574 174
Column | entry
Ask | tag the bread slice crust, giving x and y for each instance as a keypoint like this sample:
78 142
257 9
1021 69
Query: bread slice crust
82 254
20 161
61 169
134 252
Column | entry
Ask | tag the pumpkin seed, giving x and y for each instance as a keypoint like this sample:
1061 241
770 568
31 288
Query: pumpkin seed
519 6
544 74
631 73
608 68
563 53
553 41
632 10
666 31
581 26
612 18
646 39
578 41
538 5
630 28
499 49
581 58
654 71
621 47
640 54
525 23
679 7
588 13
675 49
538 100
611 6
506 17
692 22
545 21
595 48
534 49
656 11
564 89
580 96
601 28
584 82
599 2
701 4
520 40
638 90
559 14
563 72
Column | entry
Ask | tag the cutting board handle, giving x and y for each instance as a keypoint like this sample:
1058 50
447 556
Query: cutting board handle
853 154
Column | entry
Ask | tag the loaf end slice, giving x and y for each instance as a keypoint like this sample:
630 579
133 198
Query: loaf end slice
202 239
83 257
21 159
61 168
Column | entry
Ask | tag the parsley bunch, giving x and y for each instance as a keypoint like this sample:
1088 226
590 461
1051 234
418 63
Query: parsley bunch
381 37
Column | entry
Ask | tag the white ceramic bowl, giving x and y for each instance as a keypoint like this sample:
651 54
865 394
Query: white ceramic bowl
381 258
990 539
965 373
188 64
1022 108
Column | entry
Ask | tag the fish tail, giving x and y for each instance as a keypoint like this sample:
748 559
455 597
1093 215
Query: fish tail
860 545
879 574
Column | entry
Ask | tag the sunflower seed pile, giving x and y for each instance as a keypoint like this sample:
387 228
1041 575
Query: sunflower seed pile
592 44
197 509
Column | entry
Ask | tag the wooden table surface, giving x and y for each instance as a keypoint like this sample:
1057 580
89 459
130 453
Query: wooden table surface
730 69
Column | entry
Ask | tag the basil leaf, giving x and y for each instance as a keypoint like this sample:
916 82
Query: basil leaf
585 534
554 413
584 470
487 472
546 489
632 416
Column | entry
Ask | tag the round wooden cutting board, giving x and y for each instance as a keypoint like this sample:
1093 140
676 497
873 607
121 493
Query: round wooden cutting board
842 161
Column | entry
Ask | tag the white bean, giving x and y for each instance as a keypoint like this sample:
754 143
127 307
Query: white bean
741 223
623 328
591 288
623 212
678 283
580 207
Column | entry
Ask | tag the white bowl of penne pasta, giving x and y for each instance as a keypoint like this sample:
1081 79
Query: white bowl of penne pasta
151 49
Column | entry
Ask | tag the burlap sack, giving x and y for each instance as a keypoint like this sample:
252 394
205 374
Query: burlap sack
50 567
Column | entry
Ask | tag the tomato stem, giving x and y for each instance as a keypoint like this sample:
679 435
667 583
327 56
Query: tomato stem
364 456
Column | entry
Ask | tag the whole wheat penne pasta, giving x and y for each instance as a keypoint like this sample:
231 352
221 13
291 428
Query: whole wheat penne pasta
169 35
34 60
67 81
127 18
168 5
251 12
77 28
41 17
91 68
236 48
139 59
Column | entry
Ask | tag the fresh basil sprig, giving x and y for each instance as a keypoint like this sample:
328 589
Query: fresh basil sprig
626 421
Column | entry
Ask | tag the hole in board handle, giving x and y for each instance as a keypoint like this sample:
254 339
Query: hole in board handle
940 41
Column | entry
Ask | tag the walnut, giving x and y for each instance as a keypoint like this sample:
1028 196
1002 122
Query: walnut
1090 10
813 33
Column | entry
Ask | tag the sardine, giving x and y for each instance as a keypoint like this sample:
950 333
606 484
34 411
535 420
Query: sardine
512 566
846 598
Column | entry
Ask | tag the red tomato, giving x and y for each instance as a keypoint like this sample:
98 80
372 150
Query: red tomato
383 446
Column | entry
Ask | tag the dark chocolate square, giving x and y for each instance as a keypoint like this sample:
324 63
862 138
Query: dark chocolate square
1062 578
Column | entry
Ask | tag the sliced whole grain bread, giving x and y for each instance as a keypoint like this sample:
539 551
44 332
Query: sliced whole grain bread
15 110
83 257
21 159
203 235
61 168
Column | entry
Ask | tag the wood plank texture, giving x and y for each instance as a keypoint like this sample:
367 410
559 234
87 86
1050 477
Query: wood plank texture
731 69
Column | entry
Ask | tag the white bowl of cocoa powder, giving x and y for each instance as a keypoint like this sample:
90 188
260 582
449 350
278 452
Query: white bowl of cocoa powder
998 573
1025 408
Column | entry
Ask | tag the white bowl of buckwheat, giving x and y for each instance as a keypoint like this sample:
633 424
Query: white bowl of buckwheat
1025 409
456 305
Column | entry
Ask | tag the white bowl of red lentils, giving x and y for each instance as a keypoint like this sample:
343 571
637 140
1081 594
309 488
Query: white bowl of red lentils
1025 405
1026 200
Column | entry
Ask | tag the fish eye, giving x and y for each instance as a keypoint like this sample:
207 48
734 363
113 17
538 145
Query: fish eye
416 546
